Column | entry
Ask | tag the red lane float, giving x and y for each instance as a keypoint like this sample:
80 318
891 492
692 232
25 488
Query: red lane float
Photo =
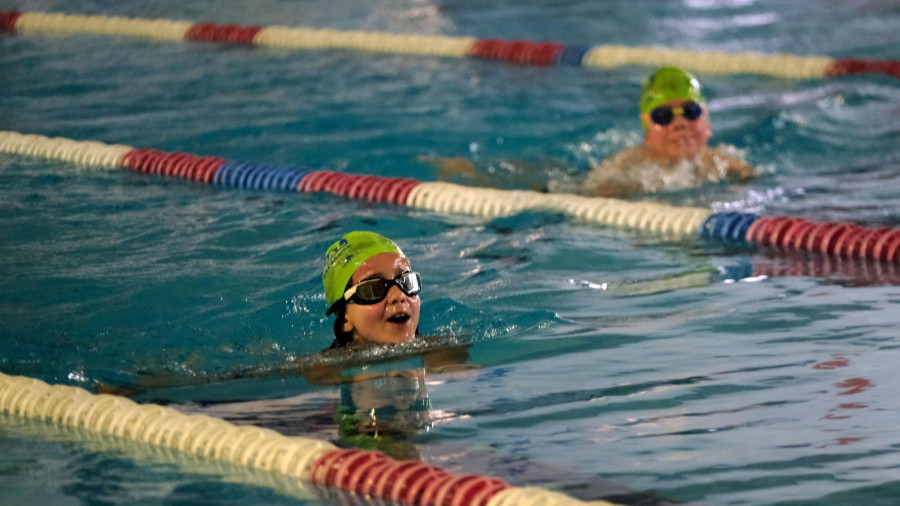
394 190
517 51
374 474
831 238
232 34
8 21
154 161
856 66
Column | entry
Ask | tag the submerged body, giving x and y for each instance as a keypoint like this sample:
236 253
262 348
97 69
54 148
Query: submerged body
640 169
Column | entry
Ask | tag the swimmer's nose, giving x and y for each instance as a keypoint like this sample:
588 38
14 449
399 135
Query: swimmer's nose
395 295
679 123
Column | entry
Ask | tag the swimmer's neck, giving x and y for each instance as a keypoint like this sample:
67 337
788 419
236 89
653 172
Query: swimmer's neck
363 344
360 344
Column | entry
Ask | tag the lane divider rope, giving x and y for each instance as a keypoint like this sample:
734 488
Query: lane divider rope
780 232
834 239
662 219
515 51
362 472
197 435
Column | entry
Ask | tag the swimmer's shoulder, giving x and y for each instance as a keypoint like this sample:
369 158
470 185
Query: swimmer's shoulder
730 160
447 354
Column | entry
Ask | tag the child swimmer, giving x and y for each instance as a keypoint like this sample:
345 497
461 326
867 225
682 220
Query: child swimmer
674 154
373 292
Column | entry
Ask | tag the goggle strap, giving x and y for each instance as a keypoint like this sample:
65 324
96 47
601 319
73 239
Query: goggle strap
335 307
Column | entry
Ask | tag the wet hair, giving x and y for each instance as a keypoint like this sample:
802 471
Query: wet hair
341 338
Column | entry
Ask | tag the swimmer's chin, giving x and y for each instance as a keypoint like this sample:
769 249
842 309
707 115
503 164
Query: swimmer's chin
400 329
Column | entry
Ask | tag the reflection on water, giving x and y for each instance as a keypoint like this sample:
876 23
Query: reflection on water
380 410
384 405
108 467
110 275
376 399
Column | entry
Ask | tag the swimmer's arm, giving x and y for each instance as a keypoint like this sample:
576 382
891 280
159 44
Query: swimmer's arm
451 168
740 170
329 375
317 375
440 360
447 360
147 382
736 169
465 170
322 375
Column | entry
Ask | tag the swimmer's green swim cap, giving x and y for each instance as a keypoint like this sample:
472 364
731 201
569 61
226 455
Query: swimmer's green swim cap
668 83
345 256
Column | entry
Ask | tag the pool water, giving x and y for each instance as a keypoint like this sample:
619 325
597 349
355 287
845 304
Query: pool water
600 359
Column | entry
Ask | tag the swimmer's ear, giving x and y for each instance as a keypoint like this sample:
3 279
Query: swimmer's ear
346 326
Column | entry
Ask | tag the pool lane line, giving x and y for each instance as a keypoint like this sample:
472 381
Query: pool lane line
36 430
660 219
363 472
833 239
783 233
513 51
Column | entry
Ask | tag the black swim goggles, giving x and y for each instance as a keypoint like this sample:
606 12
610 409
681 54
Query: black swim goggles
373 291
665 114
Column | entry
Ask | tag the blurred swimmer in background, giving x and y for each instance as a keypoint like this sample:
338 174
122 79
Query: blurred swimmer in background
674 155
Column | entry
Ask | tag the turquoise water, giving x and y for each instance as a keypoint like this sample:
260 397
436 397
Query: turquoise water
605 359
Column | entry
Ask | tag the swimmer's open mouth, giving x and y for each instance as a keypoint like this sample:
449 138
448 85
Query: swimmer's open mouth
399 318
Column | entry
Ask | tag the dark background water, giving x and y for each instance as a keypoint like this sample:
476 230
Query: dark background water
688 375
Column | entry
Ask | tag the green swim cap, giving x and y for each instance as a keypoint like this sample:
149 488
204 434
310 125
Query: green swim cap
345 256
668 83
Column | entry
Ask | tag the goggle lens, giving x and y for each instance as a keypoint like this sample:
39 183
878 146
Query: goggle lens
373 291
665 114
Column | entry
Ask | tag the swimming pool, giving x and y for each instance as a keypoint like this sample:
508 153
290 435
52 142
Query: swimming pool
688 376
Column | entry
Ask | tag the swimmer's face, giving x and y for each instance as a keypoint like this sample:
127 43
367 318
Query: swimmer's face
682 138
394 319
